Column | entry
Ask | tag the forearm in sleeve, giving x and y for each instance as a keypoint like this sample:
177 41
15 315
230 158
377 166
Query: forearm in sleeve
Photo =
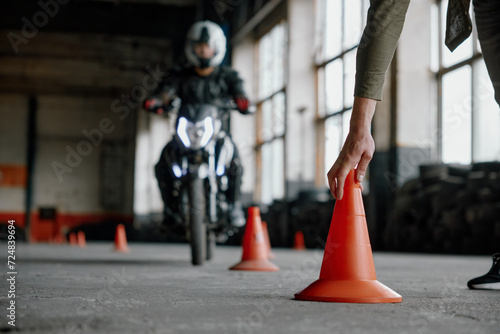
384 25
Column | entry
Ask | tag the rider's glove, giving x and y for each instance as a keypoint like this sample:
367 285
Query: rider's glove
242 104
154 104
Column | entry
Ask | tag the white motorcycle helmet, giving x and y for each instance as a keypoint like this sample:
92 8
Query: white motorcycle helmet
210 33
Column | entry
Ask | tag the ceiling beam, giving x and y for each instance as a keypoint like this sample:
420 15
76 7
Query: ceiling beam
107 17
177 3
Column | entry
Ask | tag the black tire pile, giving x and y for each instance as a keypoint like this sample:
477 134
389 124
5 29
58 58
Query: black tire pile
448 209
311 213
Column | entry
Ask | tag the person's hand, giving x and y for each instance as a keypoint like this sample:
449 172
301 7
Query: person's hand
358 148
154 104
242 104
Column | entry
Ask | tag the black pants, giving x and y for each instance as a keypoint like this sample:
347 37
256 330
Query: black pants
171 187
487 13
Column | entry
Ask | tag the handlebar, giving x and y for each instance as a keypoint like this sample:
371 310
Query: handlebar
156 105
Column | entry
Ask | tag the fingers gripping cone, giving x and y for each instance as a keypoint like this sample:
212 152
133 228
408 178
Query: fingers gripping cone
255 252
270 254
347 272
298 242
121 240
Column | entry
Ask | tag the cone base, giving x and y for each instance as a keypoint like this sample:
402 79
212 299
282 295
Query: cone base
348 292
255 265
122 250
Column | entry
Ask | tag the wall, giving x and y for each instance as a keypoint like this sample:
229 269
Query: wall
73 138
88 88
13 143
84 135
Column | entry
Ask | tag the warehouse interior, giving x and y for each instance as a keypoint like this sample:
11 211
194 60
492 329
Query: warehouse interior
78 151
78 155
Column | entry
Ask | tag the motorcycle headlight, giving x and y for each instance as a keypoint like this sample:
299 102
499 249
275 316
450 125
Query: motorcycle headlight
182 131
195 135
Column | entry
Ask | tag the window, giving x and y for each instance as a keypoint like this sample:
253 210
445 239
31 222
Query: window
340 24
468 120
271 115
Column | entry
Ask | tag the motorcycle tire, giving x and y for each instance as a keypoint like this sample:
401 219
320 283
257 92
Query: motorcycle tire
210 244
197 226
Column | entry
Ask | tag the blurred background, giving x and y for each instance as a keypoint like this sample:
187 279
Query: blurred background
77 152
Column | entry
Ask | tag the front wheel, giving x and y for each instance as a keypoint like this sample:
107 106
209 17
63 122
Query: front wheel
197 225
210 244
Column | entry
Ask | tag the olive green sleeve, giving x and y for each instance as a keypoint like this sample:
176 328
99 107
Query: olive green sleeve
383 27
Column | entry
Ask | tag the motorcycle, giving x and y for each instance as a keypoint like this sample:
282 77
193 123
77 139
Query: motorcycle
200 166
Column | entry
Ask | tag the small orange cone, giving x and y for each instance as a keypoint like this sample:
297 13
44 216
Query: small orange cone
59 239
81 239
255 252
121 239
270 254
298 242
72 239
348 273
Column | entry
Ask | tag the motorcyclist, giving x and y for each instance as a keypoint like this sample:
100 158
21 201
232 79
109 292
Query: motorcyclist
202 80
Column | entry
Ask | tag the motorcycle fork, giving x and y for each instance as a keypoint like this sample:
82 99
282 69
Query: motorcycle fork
212 182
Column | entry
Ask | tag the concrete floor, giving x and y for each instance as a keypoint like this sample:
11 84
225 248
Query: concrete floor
154 289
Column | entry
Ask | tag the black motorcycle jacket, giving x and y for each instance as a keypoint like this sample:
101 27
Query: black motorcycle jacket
223 83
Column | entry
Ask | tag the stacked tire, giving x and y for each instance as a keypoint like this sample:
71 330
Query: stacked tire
448 209
311 213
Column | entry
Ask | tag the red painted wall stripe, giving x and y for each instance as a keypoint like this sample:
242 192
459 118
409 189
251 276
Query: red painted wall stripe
46 230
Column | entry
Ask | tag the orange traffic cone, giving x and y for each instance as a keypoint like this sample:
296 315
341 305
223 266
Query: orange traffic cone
255 252
270 254
72 239
121 240
59 239
81 239
348 273
298 243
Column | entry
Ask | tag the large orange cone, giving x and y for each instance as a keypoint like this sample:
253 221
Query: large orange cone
72 239
121 240
348 273
81 239
298 242
270 254
255 252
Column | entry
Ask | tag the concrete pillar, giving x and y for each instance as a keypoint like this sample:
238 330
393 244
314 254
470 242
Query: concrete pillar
301 95
416 126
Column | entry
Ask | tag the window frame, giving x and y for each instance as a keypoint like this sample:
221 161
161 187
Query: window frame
443 70
260 141
322 61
